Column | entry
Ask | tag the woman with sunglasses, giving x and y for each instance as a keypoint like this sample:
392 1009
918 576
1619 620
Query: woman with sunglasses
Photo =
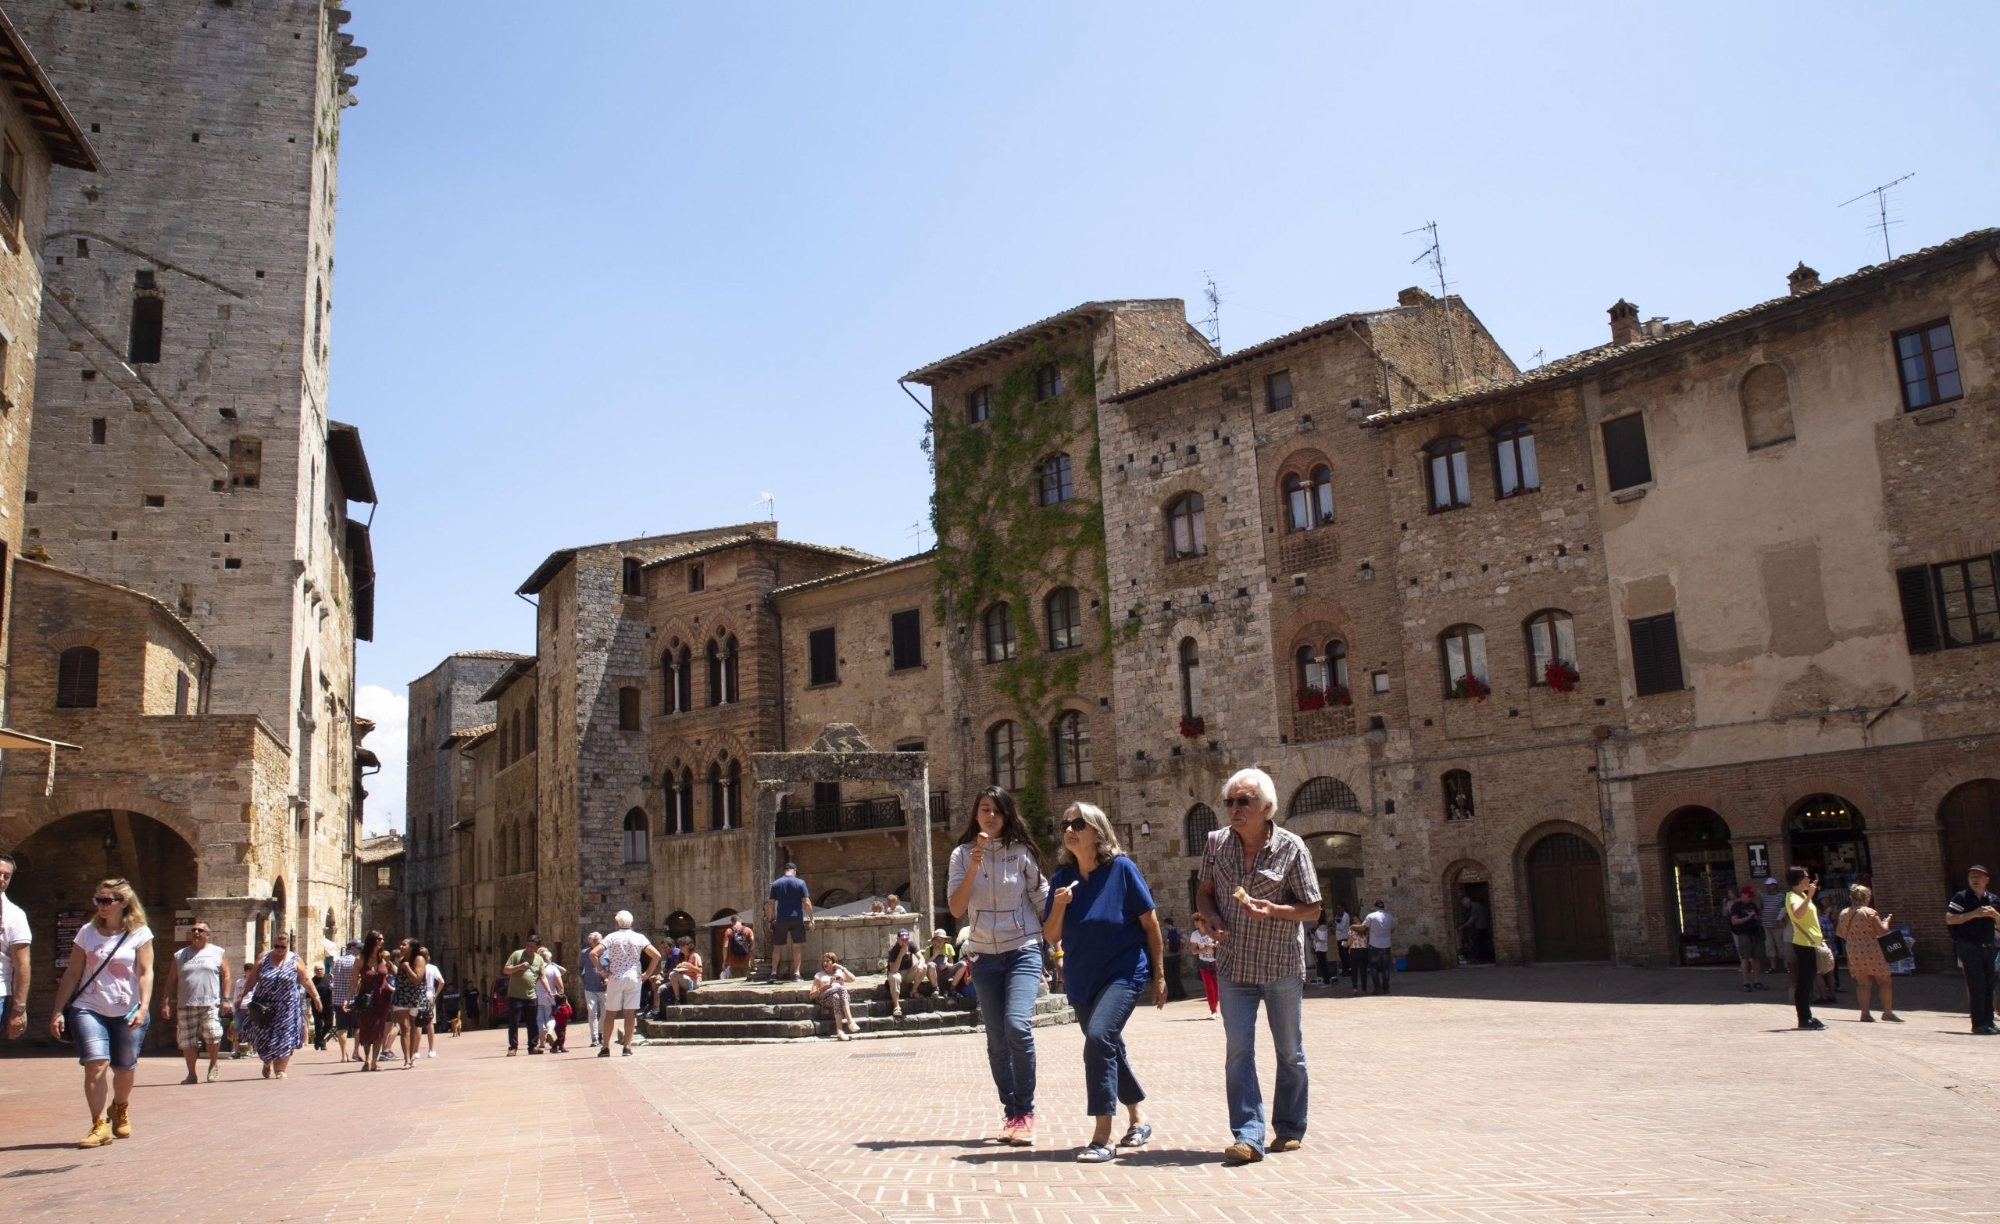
101 1003
997 889
279 987
1102 913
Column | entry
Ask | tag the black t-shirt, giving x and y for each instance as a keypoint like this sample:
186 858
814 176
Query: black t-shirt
900 957
1980 930
1745 918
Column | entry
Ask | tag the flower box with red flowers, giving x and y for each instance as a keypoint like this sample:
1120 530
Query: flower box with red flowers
1312 697
1471 686
1194 728
1560 675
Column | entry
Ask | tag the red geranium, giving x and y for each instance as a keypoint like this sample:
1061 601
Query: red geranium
1194 727
1561 675
1471 686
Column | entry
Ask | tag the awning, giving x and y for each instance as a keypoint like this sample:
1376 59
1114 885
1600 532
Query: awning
10 738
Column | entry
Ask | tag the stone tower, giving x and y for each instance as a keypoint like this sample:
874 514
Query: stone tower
183 445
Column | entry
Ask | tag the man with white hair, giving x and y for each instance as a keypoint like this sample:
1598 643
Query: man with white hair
1258 889
627 956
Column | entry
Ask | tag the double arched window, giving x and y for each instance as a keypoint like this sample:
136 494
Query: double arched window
680 802
725 795
1463 648
998 624
1514 464
1322 669
1072 737
1065 618
76 679
635 836
1004 752
722 670
676 679
1190 679
1450 480
1187 527
1309 501
1551 640
1055 482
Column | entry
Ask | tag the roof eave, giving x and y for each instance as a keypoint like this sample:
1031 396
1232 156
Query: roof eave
350 461
58 130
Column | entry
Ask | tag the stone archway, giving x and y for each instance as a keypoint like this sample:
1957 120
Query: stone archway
1468 880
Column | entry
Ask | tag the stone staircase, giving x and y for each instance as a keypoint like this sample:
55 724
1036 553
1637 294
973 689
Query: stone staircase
739 1012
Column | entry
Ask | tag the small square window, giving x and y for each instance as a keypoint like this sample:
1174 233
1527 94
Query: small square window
822 657
697 576
1048 381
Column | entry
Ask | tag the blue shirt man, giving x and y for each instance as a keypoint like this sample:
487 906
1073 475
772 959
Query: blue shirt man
788 914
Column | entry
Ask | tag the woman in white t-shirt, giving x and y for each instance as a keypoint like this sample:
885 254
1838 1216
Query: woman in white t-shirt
1203 945
101 1003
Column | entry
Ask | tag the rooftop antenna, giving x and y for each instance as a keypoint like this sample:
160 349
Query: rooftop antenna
916 533
1446 333
1212 325
1882 219
1540 359
769 505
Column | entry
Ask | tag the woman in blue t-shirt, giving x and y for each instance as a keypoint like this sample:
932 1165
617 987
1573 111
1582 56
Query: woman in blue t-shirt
1101 911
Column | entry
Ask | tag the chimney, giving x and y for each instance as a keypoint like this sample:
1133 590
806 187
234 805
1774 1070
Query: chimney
1414 296
1802 279
1624 323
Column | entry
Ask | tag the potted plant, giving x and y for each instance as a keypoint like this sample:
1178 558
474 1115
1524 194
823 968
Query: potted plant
1469 685
1336 695
1560 675
1193 726
1312 697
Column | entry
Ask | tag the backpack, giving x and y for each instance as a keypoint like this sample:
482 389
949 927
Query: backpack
739 943
1173 941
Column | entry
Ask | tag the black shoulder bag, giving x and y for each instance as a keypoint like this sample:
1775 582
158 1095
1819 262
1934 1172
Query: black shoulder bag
69 1021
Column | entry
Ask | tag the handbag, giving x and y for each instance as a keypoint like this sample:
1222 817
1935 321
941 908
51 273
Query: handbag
1823 957
69 1024
1895 947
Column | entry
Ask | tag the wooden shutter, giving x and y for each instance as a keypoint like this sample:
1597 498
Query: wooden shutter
1656 655
820 647
1920 621
906 637
1626 461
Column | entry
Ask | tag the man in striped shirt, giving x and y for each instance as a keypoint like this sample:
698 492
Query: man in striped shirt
340 981
1258 889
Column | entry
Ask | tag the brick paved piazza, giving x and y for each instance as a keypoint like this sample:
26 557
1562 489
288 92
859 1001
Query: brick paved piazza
1485 1095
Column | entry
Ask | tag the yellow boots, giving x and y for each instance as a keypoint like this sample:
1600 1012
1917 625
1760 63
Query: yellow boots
118 1125
100 1134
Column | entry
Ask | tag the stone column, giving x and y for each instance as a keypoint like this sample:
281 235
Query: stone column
917 825
764 852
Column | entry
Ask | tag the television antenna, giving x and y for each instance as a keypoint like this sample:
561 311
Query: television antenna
1882 218
1211 326
769 505
1448 348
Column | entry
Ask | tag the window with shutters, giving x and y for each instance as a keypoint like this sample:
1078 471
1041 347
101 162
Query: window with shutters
1065 619
1950 605
1927 360
76 679
1278 391
1656 655
906 639
628 714
1187 528
822 665
181 691
1515 466
1626 462
978 405
1048 382
1449 479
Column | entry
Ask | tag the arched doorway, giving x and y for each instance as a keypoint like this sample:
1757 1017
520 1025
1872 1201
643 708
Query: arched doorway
59 865
1566 900
1826 836
1321 795
1337 861
1469 882
1971 819
1700 876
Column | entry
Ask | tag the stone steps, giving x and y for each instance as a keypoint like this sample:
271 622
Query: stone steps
745 1011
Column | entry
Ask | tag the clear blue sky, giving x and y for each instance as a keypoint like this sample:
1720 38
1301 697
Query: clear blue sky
625 267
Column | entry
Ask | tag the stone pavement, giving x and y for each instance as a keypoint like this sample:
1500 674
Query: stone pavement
1482 1095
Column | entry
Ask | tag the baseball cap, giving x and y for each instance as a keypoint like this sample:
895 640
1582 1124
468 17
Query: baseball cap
353 943
1981 870
903 933
1770 879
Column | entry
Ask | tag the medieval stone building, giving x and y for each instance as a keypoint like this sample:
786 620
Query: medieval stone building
184 465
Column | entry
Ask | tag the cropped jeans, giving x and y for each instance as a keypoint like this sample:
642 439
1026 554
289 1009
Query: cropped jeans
1284 1003
1108 1081
1005 986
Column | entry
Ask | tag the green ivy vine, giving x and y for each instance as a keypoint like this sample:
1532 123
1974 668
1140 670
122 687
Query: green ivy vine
997 543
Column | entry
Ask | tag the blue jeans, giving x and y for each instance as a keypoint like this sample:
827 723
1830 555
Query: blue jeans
1005 987
1381 963
99 1038
1107 1074
1284 1000
521 1014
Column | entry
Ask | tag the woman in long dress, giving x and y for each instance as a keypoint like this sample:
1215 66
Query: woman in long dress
279 987
372 995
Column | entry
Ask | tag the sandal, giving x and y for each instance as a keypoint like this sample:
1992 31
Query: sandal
1892 1017
1137 1136
1095 1153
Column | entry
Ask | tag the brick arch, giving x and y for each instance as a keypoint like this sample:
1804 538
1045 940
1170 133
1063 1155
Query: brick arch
1760 355
56 643
677 749
1847 786
1298 463
664 635
1521 898
1686 795
1929 797
1536 832
20 826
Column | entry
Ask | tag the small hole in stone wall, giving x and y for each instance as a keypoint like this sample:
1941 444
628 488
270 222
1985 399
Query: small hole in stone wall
197 138
114 535
96 127
1482 569
232 563
260 274
90 376
33 497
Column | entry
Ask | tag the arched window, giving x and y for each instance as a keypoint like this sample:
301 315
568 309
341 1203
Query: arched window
1048 381
714 673
1322 795
978 405
1056 486
1464 651
680 802
718 803
1766 399
514 736
1309 501
1065 618
1514 463
1321 481
1449 479
730 695
1187 527
76 679
684 681
1457 787
635 836
1190 679
1072 734
534 726
1551 640
999 626
732 795
1004 766
1322 670
1200 823
670 681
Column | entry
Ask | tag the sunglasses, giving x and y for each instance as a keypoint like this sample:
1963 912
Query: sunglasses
1243 801
1076 824
199 931
104 900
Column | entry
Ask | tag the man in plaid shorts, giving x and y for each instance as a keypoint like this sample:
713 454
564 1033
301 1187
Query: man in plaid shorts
197 994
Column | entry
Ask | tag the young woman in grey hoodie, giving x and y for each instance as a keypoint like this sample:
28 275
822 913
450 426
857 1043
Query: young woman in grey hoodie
997 890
